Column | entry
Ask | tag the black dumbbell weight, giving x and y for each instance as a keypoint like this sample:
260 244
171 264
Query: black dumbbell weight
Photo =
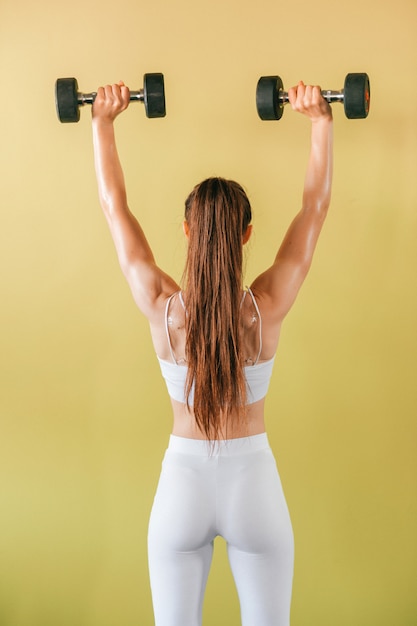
68 99
356 96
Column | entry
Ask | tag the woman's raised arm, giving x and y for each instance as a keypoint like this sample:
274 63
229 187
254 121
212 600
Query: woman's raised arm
147 281
279 285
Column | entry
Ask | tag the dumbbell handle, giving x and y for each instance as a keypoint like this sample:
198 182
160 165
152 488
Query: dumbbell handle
88 98
328 94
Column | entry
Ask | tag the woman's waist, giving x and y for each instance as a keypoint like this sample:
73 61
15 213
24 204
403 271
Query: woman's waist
250 423
233 447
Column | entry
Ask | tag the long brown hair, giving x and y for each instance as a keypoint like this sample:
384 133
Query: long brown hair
218 213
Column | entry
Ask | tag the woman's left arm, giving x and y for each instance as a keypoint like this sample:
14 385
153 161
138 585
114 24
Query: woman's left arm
148 283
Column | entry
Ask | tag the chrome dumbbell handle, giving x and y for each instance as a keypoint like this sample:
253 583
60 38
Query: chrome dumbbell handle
328 94
88 98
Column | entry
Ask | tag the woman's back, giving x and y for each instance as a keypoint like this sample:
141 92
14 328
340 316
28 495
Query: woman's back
257 365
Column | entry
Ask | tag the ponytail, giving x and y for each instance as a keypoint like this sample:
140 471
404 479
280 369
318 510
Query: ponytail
218 214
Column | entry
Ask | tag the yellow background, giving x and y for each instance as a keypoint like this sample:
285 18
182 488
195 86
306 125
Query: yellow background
84 413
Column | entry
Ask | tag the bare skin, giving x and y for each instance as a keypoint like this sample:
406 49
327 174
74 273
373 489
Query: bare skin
275 289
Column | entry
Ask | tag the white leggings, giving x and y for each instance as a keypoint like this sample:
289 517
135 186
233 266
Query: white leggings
233 491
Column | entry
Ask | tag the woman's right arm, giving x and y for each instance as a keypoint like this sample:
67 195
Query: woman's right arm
279 285
149 285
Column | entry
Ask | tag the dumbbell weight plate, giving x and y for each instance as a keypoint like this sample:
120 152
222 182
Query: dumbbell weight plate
66 100
154 95
356 96
267 102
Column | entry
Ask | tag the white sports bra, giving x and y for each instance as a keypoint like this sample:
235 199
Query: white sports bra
257 375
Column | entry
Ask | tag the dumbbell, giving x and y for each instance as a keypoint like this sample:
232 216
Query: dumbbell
68 99
355 95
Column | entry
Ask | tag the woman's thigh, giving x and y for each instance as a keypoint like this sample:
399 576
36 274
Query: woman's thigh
180 541
257 527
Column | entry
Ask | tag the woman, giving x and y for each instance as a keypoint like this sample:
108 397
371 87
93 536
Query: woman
216 344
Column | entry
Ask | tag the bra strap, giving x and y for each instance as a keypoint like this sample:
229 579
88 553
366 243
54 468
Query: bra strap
255 304
167 327
181 299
